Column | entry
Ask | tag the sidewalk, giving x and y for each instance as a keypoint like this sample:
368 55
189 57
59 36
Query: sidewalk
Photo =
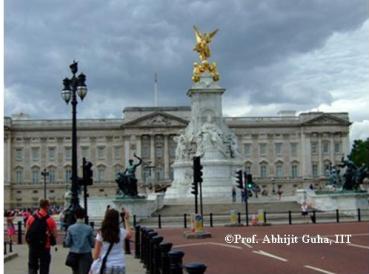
18 265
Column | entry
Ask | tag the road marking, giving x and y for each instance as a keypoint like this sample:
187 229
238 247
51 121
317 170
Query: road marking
260 252
318 269
360 246
228 245
209 243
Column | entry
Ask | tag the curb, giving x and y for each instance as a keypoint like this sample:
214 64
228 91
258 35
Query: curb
10 256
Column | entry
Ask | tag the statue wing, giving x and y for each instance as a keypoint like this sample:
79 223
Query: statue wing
212 34
198 34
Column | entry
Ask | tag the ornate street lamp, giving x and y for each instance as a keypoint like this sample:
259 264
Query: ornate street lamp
73 87
44 174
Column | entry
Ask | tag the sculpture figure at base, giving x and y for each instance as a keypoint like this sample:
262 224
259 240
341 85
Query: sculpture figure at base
354 176
127 180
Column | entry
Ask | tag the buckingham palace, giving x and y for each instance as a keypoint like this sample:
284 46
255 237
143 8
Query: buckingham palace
286 151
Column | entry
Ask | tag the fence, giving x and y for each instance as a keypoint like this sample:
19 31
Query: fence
270 217
157 255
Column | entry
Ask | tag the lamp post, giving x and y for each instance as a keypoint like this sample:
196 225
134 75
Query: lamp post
72 87
44 174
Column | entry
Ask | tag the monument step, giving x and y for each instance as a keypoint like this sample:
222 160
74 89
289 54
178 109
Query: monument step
225 208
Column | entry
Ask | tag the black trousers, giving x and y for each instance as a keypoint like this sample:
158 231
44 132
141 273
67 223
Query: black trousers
39 259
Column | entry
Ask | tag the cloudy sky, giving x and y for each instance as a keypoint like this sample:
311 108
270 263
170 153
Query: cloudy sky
271 55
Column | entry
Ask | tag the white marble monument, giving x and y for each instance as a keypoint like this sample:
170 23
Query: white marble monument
207 136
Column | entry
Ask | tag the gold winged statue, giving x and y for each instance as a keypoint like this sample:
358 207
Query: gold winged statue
202 47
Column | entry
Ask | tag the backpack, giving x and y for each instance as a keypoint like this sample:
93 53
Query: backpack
36 234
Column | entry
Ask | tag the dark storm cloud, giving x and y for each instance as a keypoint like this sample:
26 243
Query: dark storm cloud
121 44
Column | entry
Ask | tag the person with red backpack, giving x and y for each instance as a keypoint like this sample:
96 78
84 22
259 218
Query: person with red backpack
41 233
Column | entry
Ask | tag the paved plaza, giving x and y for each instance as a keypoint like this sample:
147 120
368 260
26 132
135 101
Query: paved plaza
18 265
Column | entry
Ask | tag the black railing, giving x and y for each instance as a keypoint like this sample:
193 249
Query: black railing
266 218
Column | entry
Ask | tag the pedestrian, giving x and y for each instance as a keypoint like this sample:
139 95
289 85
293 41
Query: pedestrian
26 213
41 233
10 215
234 194
243 196
80 240
109 246
304 210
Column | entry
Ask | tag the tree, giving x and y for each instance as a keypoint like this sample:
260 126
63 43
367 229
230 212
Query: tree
360 152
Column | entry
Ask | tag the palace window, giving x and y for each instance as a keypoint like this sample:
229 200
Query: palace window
279 170
68 153
247 148
263 170
35 175
294 170
68 174
146 146
337 148
51 153
117 152
325 147
315 170
19 154
293 149
278 149
314 147
263 149
35 153
100 173
19 175
52 171
85 152
101 153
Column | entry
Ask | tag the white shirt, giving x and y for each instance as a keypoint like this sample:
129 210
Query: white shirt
116 256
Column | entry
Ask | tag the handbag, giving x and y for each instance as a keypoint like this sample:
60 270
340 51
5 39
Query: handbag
72 260
98 265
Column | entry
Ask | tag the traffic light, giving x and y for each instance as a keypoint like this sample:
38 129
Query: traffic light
239 179
249 182
87 172
197 170
195 188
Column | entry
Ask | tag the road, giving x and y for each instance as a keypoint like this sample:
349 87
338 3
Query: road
263 257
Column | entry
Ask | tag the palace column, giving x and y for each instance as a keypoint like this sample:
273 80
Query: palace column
320 163
139 152
152 149
166 157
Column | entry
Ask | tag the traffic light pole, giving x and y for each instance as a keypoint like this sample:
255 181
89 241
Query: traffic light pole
200 192
247 205
196 205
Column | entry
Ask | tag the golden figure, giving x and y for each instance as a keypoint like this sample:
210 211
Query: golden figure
202 47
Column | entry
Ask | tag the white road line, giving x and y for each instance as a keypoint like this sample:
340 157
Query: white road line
209 243
318 269
360 246
260 252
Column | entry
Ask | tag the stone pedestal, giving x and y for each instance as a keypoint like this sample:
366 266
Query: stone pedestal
142 208
207 136
349 201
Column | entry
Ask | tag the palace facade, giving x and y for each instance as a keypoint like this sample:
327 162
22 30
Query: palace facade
287 151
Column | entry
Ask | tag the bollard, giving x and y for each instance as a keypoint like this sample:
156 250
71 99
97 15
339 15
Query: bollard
127 246
185 220
313 218
337 216
150 235
10 246
134 220
92 224
19 232
155 258
211 219
137 241
164 249
289 217
143 249
358 215
195 268
5 248
239 217
265 217
159 221
175 262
